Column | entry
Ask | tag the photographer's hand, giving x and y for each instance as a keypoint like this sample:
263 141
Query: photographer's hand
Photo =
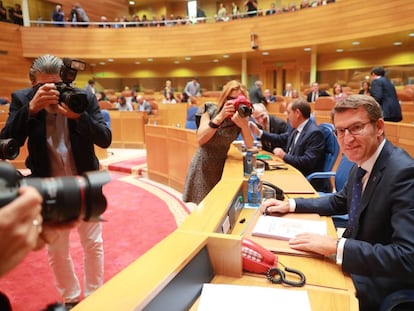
20 227
46 96
67 112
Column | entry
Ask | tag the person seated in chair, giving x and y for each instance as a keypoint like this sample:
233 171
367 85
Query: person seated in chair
303 146
268 123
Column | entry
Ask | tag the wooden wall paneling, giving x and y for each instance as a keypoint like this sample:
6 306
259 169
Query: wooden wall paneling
405 137
157 150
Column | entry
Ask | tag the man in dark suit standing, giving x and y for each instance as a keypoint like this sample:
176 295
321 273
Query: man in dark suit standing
377 248
268 123
303 146
256 94
315 93
384 93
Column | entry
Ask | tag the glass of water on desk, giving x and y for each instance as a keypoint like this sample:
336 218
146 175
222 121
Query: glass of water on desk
259 168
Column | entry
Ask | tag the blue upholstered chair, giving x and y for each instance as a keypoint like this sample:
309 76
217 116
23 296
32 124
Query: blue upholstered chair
331 150
340 178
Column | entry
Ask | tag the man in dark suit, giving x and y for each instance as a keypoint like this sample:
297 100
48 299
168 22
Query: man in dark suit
377 248
268 123
315 93
384 93
61 143
256 94
303 146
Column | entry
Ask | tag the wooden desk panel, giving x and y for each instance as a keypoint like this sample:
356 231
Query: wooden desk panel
173 114
128 128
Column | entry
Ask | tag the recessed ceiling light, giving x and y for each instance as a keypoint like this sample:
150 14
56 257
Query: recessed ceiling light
356 43
397 43
187 58
226 56
137 62
131 2
411 34
102 63
215 60
110 59
265 53
339 50
149 59
176 62
307 49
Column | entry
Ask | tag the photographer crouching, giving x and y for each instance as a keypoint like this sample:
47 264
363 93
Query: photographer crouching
62 125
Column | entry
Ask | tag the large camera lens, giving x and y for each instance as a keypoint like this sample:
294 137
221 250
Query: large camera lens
244 110
9 149
76 101
70 198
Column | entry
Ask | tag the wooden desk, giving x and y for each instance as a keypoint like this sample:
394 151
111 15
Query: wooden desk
145 282
128 128
150 276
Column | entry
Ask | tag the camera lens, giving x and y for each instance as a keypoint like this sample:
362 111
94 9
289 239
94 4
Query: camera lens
70 198
244 110
9 149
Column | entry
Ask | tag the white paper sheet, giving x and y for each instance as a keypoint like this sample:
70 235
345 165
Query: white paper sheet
224 297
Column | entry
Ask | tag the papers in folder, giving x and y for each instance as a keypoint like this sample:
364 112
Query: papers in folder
286 228
223 297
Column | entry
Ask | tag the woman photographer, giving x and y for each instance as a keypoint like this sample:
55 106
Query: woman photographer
219 126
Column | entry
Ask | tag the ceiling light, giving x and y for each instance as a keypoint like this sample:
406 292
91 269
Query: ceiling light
149 59
102 63
356 43
265 53
215 60
226 56
187 58
411 34
110 59
176 62
397 43
137 62
131 2
339 50
307 49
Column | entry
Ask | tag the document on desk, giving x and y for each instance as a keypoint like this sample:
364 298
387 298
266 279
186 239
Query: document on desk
224 297
286 228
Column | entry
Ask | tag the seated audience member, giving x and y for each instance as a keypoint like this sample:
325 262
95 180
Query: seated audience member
271 10
268 96
303 146
268 123
315 93
183 98
169 99
168 88
338 93
143 105
377 246
287 92
123 105
365 88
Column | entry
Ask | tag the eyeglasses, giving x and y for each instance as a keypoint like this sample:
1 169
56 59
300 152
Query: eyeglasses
354 129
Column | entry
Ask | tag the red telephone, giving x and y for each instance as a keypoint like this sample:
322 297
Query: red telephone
256 258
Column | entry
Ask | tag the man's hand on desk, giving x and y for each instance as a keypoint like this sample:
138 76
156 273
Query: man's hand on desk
279 152
315 243
273 206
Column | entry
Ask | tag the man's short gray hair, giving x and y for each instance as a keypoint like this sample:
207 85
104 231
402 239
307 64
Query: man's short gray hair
47 64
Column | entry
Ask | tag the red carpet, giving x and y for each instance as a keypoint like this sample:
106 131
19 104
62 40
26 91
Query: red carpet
128 166
139 215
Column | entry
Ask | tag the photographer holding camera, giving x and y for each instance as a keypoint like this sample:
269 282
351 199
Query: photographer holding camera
219 127
62 125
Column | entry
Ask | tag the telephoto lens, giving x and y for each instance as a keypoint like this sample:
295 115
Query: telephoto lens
9 149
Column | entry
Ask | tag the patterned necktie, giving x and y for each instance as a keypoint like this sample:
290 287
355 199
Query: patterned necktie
293 142
356 199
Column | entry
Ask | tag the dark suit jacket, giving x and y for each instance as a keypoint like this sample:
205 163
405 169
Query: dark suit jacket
321 93
276 126
256 96
308 154
384 93
88 130
380 254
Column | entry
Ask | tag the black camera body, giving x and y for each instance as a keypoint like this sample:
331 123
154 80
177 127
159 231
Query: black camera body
9 149
65 199
243 106
75 99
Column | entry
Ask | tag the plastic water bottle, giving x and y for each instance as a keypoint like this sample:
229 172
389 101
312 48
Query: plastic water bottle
253 190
